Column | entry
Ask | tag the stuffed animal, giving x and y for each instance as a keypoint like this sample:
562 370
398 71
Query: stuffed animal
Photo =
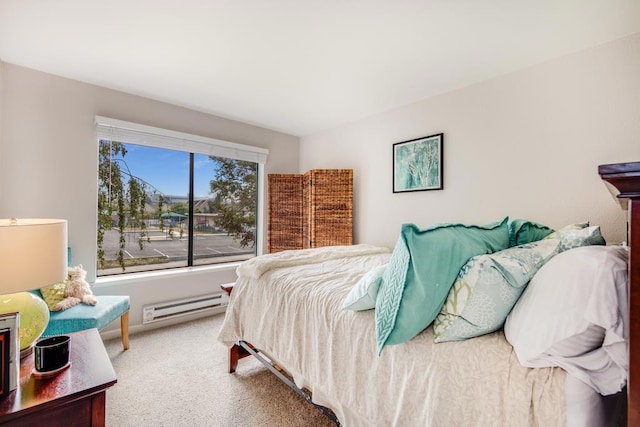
77 289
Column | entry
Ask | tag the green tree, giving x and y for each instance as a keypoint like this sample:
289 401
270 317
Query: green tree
234 186
160 211
121 199
180 208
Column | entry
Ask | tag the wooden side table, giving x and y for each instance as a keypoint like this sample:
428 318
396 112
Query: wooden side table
73 397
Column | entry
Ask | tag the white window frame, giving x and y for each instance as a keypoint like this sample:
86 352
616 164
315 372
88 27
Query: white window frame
135 133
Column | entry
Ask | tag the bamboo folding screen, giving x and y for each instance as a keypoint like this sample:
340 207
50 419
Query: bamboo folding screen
310 210
284 211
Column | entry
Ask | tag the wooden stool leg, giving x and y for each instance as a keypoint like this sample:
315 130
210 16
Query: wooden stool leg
124 330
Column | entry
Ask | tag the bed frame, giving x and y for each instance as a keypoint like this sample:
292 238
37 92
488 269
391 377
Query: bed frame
625 180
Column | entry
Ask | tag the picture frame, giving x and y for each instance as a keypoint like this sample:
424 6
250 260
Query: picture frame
5 348
9 352
417 164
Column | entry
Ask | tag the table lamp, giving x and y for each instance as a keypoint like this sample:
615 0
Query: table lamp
33 254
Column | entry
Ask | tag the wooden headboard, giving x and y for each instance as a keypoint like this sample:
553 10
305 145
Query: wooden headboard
625 177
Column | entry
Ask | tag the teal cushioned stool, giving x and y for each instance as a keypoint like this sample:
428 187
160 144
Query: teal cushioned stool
83 316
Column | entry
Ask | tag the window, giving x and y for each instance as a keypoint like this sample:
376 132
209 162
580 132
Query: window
169 199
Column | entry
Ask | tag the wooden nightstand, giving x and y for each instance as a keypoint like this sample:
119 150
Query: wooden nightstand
74 397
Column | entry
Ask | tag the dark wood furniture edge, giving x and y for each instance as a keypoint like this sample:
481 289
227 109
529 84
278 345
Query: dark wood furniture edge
227 287
236 352
625 177
57 395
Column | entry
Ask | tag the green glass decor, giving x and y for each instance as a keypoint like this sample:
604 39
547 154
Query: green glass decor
34 317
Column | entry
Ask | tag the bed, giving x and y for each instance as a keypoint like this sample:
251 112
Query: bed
288 309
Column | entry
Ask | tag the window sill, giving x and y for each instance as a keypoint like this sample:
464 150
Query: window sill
164 274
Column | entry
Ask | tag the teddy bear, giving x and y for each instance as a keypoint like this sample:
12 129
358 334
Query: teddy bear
76 290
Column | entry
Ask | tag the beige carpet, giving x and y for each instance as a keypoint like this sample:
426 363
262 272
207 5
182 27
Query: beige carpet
177 376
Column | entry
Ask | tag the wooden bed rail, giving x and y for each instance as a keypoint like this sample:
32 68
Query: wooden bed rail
625 177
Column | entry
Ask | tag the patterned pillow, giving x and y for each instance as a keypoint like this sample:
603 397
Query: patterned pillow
53 294
487 288
571 237
466 315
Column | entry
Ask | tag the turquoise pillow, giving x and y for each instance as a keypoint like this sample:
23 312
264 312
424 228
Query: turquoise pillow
522 232
421 271
487 288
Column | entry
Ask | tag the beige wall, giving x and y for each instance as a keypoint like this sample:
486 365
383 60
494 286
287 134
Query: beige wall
525 145
48 163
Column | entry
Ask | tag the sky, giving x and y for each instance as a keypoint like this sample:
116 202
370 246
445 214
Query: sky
168 171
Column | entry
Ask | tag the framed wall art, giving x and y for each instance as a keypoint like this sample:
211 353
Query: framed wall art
417 164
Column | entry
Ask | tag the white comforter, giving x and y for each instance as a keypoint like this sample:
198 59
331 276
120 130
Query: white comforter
292 313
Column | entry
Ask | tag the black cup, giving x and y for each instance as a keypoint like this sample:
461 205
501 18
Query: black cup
52 353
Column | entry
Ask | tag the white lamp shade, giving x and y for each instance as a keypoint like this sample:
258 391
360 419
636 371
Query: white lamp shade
33 253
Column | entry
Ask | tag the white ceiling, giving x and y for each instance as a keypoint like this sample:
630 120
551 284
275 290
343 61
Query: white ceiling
300 66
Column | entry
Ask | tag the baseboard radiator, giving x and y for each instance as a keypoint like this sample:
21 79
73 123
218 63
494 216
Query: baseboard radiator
170 309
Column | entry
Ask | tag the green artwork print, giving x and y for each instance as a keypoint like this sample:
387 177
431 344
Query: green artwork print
417 164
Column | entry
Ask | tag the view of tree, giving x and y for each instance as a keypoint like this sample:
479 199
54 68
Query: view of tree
235 187
180 208
119 205
159 211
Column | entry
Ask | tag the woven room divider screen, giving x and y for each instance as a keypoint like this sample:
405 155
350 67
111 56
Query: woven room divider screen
310 210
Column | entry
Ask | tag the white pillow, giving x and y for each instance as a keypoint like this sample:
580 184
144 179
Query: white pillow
363 295
574 315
